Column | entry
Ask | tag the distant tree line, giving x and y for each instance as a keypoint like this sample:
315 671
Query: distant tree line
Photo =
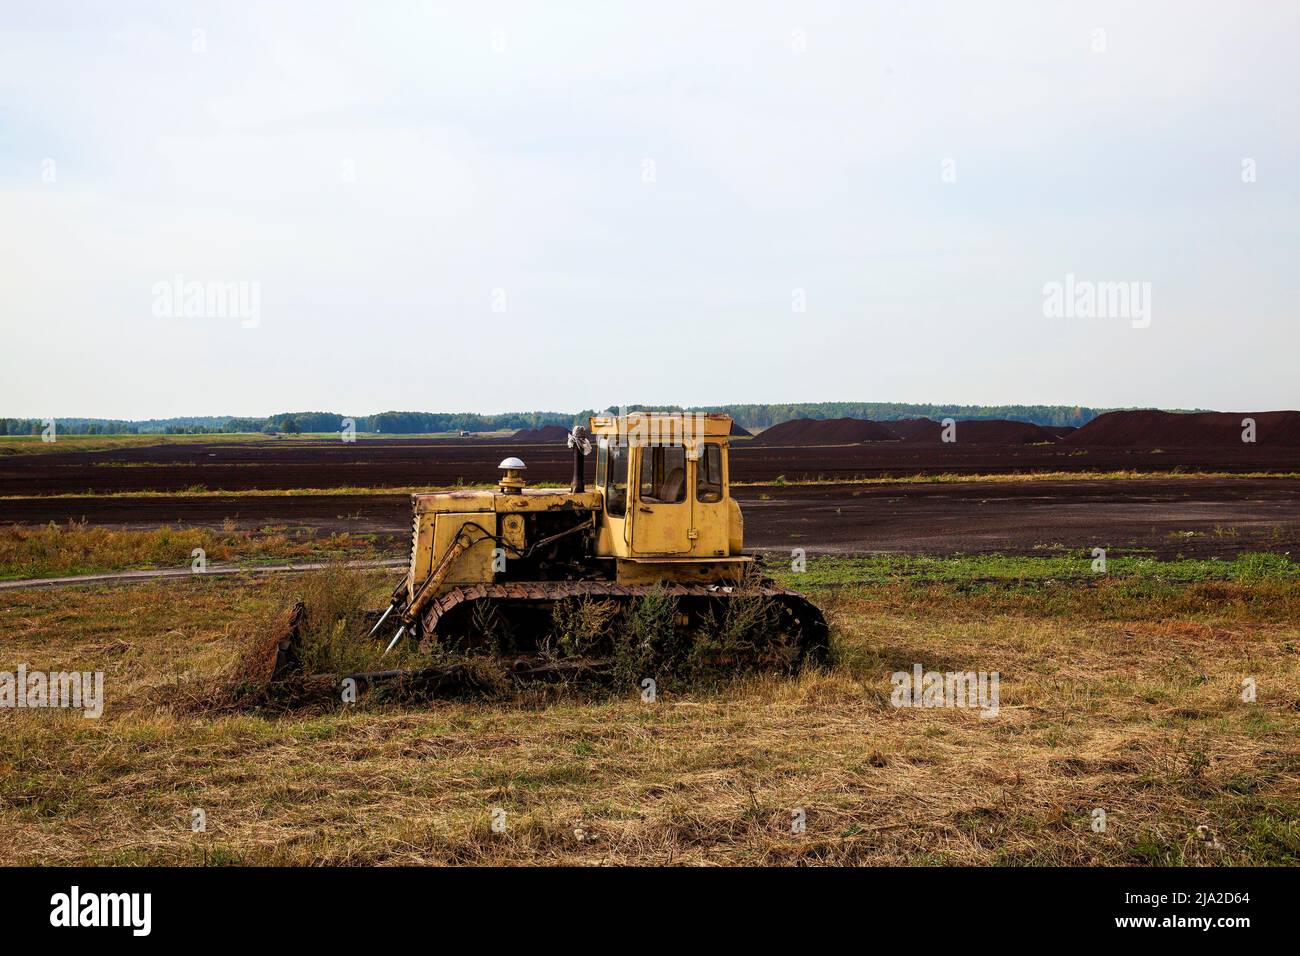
113 426
395 423
764 416
292 423
409 423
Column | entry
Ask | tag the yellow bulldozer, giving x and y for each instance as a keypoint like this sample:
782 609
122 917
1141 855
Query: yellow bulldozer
660 519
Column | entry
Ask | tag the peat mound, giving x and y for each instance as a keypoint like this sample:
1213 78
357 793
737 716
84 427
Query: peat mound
908 428
1150 428
985 432
547 433
831 431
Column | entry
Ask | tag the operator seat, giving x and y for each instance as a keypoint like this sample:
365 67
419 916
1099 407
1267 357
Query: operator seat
672 486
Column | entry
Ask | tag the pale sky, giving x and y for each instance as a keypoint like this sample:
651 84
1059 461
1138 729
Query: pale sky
648 185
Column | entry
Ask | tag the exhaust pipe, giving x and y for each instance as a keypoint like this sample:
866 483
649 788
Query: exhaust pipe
580 442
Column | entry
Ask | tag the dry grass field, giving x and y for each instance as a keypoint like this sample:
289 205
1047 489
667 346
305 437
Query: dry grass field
51 550
1123 696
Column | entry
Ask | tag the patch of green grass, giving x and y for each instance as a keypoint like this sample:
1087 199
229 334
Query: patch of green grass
1272 838
922 478
833 571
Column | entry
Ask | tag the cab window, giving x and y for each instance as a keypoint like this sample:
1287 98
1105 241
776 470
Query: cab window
616 480
708 474
663 474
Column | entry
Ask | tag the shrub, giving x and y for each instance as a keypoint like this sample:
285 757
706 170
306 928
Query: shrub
745 636
647 642
581 627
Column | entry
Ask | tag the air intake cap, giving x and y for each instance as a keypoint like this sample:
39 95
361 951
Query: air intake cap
512 481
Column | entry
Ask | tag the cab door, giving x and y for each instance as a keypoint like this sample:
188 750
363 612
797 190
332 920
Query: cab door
711 515
612 463
661 512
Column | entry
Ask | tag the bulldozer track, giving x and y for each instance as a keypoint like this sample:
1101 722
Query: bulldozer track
814 634
562 590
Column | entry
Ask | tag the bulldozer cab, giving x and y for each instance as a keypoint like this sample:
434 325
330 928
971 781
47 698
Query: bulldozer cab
664 478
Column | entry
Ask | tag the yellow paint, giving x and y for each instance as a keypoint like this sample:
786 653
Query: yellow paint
512 531
474 566
681 570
